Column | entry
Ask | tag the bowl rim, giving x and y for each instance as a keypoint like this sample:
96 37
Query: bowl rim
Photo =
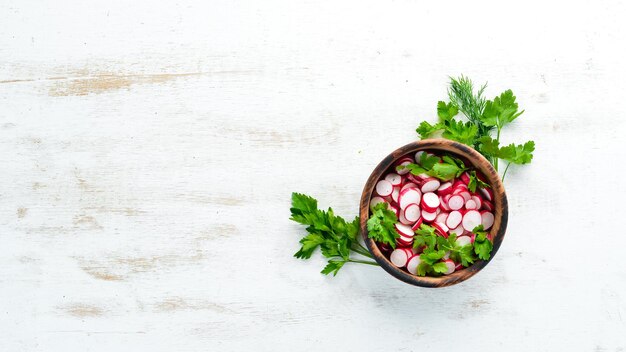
480 163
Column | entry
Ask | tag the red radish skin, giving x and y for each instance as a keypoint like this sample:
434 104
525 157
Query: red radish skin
409 196
375 201
456 202
384 188
442 229
464 240
454 219
465 178
403 220
430 185
479 203
430 201
428 217
471 205
443 205
398 258
412 263
395 194
417 224
487 193
409 252
394 209
471 219
404 230
412 213
451 266
401 243
487 219
487 205
394 179
409 185
458 184
458 267
384 247
445 188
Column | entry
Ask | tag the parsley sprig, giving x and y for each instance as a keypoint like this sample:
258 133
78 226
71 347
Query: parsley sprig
336 238
484 117
445 168
381 225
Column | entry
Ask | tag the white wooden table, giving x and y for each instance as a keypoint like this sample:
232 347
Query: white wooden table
148 151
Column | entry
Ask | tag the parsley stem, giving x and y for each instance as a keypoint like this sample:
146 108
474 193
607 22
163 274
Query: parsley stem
362 262
362 252
505 170
498 140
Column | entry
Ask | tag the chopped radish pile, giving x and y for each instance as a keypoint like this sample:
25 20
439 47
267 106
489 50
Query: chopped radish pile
447 205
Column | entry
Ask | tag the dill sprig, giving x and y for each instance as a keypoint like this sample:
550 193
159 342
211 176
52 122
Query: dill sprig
461 93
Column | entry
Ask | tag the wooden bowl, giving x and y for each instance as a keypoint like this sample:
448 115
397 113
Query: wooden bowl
478 161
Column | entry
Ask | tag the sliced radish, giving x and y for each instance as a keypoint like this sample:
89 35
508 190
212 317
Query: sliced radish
395 179
409 252
442 229
404 243
395 194
443 204
417 224
451 266
487 192
409 185
384 188
445 188
383 247
471 219
456 202
418 156
404 230
454 219
413 262
398 257
412 212
465 178
458 267
404 170
459 231
409 196
394 209
466 195
428 216
446 256
458 184
430 185
441 218
403 219
414 179
487 205
471 205
478 202
463 240
430 201
487 219
375 201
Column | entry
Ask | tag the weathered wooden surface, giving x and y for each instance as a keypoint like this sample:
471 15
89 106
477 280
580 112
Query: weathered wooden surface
148 151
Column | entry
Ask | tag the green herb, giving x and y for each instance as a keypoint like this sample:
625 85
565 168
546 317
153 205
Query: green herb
483 116
482 243
475 181
381 225
336 238
445 168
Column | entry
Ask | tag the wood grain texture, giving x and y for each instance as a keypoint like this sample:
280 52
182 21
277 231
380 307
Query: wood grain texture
148 151
479 163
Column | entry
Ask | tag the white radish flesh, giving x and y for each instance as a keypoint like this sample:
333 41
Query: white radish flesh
384 188
403 219
458 231
404 230
487 205
478 202
463 240
487 193
430 185
451 266
427 216
442 229
375 201
471 205
466 195
471 219
418 156
412 213
394 209
465 178
487 219
430 201
441 218
417 224
395 194
454 219
409 196
411 265
445 188
409 185
404 170
398 257
456 202
395 179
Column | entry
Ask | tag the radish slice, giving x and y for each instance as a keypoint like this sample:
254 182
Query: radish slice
395 194
403 219
402 243
443 205
418 156
487 219
395 179
409 185
466 195
478 202
442 229
487 192
463 240
398 257
445 188
375 201
383 247
430 185
487 205
456 202
451 266
471 219
409 252
458 231
403 171
471 205
441 218
458 267
428 216
384 188
412 213
417 224
394 209
409 196
465 178
446 256
454 219
430 201
404 230
458 184
413 262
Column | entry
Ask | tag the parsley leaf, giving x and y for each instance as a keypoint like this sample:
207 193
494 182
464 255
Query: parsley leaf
518 154
381 225
426 130
446 111
333 266
501 111
445 168
461 132
482 243
475 181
